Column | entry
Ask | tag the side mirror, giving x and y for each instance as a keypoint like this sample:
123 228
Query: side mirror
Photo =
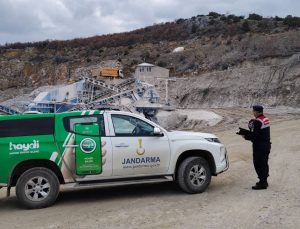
157 132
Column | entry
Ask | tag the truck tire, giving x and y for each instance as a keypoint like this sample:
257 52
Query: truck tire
37 188
194 175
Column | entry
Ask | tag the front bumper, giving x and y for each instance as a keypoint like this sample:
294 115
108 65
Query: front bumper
227 162
224 165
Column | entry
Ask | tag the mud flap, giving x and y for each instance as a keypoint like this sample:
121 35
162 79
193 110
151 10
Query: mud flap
7 191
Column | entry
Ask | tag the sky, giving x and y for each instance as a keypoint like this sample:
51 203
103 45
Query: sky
38 20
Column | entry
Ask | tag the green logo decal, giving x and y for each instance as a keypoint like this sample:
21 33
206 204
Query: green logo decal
87 145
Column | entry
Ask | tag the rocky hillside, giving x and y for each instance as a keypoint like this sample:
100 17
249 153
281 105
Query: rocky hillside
227 60
272 82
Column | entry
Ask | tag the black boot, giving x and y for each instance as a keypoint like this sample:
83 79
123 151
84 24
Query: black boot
260 185
265 182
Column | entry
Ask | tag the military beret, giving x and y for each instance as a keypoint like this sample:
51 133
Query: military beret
258 108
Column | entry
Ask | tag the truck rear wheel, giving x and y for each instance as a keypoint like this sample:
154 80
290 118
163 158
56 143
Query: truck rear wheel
37 188
194 175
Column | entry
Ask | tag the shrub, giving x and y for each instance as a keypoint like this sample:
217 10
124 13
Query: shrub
262 24
245 26
194 28
182 58
223 18
145 55
236 19
60 59
291 21
278 18
161 63
179 21
214 14
255 17
212 22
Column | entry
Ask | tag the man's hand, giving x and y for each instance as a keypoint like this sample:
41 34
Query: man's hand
243 132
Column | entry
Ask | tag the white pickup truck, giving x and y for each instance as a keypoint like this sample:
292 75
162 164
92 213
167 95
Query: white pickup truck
101 148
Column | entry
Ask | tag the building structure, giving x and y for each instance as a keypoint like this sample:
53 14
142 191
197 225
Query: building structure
150 73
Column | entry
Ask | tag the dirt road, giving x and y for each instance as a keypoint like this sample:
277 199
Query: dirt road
228 203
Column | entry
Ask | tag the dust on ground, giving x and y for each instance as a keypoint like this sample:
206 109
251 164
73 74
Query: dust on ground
219 119
229 201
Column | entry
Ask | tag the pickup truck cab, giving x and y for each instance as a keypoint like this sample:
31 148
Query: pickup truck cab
39 153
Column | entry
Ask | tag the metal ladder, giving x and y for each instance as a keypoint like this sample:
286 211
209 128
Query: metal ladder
125 83
97 83
129 93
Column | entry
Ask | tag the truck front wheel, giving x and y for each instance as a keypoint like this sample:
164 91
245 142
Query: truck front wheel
193 175
37 188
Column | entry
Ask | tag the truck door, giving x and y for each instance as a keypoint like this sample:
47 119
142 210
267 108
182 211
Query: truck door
136 151
80 160
88 153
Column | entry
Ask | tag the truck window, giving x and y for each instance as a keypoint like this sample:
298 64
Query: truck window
26 127
130 126
69 122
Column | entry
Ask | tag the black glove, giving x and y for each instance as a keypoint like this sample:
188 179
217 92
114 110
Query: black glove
243 132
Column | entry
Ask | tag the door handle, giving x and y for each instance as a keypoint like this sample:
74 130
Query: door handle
122 145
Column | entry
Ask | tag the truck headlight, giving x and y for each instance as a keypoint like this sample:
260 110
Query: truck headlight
213 140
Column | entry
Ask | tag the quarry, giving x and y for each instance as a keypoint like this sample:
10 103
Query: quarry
174 102
201 74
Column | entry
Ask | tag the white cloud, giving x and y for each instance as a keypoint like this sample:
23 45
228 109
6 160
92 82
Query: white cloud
33 20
